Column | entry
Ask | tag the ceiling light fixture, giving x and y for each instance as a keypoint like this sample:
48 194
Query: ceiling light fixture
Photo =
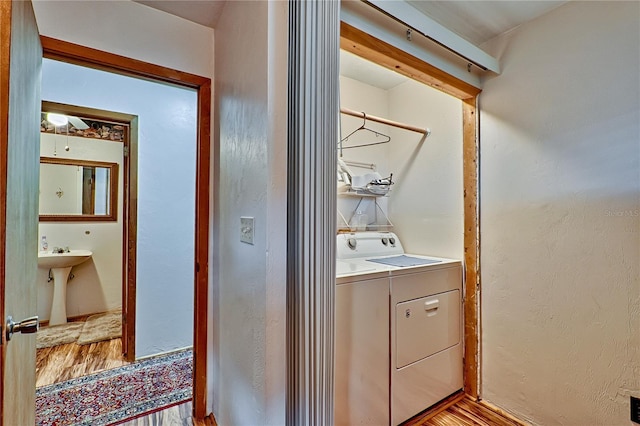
57 119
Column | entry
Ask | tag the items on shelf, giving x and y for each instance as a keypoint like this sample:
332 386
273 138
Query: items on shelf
368 187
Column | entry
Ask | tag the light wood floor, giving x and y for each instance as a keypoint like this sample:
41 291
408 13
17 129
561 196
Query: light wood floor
70 361
460 410
456 411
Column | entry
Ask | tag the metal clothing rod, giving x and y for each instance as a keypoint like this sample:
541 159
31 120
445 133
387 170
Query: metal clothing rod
360 164
359 114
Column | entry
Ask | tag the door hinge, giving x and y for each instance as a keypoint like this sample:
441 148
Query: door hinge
125 151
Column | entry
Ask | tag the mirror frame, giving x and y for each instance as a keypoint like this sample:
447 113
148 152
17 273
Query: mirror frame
113 181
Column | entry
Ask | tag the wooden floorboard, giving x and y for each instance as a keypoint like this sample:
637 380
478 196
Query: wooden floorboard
464 411
460 410
65 362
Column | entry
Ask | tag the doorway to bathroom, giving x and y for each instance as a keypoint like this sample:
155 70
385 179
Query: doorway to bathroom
142 71
88 200
20 114
151 236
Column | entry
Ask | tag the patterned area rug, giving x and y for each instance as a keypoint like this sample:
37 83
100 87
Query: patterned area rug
96 328
100 327
58 334
116 395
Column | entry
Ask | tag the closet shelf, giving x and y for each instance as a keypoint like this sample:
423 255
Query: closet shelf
358 194
376 217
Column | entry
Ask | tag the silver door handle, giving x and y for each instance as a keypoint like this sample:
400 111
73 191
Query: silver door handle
26 326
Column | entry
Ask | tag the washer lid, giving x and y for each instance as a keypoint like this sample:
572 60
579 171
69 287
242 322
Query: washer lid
347 268
404 261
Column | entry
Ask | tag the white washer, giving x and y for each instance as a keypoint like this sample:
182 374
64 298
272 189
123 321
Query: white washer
398 330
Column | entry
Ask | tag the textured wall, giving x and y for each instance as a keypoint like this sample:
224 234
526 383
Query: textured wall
560 205
129 29
248 356
426 205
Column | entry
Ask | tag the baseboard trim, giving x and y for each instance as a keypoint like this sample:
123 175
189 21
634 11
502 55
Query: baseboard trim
210 420
76 318
502 412
164 353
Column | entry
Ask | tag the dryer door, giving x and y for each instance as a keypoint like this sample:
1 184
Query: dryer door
426 326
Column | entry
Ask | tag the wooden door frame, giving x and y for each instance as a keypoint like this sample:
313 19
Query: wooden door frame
368 47
93 58
129 210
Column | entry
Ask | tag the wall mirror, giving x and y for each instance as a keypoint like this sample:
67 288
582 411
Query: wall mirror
78 190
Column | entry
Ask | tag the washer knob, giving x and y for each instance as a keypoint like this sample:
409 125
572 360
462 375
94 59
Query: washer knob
392 241
352 243
385 241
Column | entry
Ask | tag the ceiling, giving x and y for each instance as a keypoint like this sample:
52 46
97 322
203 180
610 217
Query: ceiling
203 12
475 20
480 21
355 67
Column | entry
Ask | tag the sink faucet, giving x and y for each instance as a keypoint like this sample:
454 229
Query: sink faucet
61 250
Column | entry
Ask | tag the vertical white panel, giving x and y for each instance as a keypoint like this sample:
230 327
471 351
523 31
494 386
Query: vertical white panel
313 116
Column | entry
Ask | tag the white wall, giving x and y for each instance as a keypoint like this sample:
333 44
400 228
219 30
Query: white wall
249 356
129 29
97 286
137 31
560 205
426 202
360 96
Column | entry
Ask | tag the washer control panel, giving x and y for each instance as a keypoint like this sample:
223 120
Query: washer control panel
367 244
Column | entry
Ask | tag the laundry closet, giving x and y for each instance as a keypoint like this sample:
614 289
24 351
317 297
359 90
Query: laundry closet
425 203
399 331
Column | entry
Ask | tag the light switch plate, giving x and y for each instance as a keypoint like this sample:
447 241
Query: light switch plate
246 229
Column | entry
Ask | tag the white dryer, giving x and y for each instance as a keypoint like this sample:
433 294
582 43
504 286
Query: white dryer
426 337
398 330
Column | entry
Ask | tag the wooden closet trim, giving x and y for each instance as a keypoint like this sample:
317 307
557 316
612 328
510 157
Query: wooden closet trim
368 47
93 58
375 50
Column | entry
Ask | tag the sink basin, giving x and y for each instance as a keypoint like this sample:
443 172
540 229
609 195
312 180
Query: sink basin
60 265
51 260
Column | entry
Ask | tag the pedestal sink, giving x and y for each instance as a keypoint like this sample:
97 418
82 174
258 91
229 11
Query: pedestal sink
60 265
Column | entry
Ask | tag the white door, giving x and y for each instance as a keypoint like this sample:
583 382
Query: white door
20 59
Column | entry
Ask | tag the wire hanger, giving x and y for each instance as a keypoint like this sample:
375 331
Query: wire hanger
363 127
